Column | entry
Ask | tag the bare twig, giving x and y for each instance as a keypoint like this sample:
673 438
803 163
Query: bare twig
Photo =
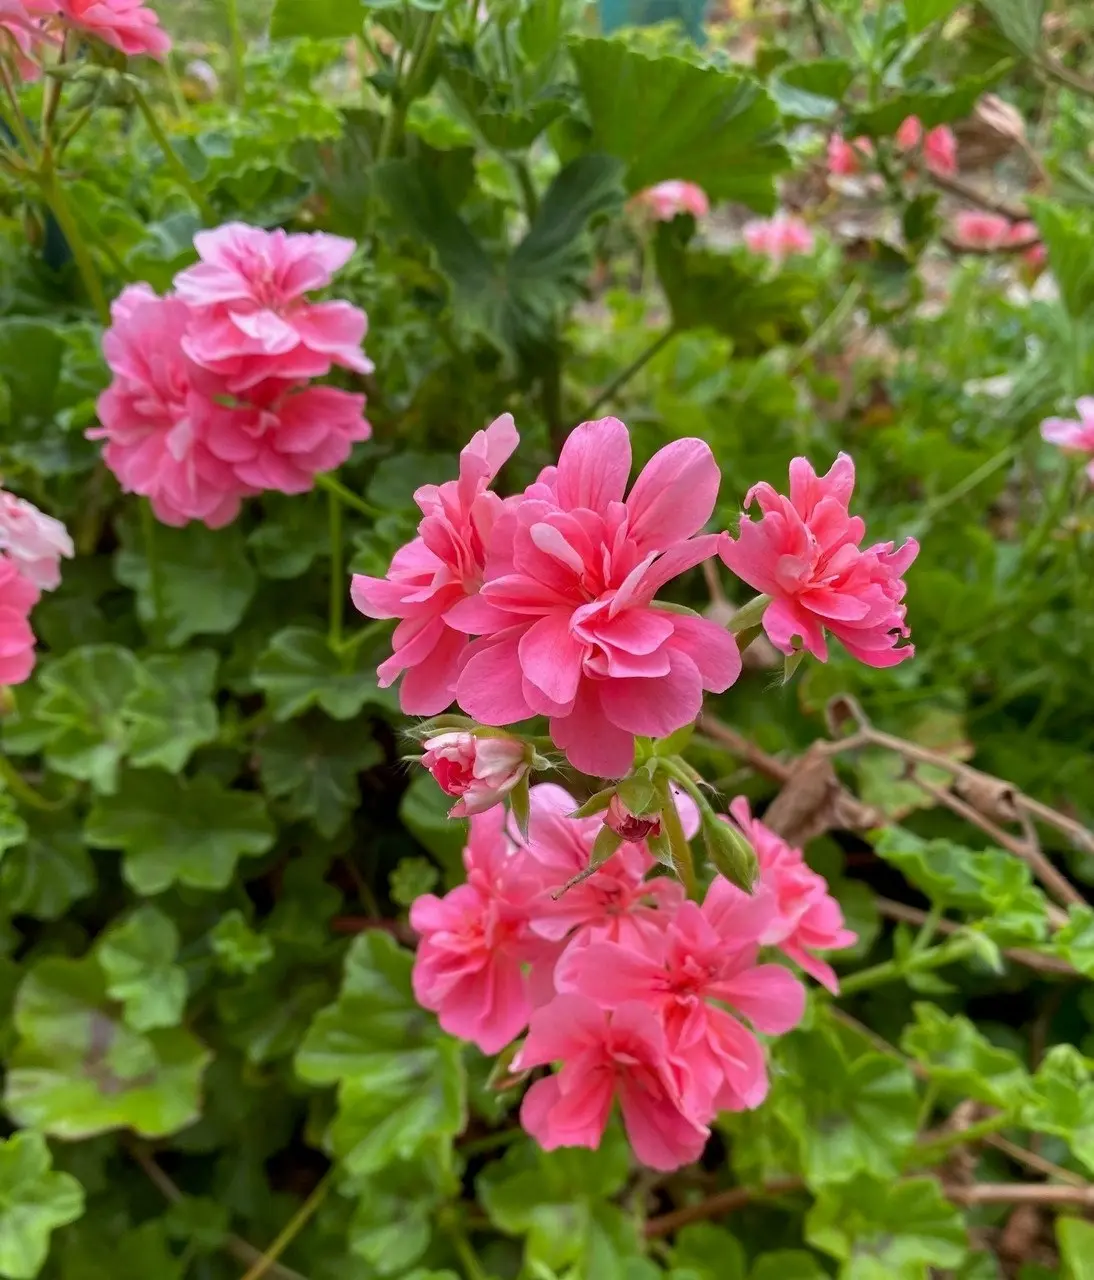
717 1205
1031 959
1019 1193
747 751
958 187
243 1252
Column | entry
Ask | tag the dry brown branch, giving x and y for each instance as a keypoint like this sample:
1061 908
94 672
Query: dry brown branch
717 1205
1019 1193
744 750
974 195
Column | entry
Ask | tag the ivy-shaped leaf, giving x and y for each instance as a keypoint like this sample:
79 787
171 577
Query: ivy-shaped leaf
49 872
887 1230
138 958
34 1201
1063 1101
78 1070
237 947
312 767
171 712
175 830
963 1061
297 670
401 1086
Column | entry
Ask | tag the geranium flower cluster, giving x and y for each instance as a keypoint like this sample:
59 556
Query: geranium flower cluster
938 147
27 27
32 545
779 237
666 200
211 399
991 232
545 603
638 994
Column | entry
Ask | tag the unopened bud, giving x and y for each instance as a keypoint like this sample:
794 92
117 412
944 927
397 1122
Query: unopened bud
731 853
631 827
479 770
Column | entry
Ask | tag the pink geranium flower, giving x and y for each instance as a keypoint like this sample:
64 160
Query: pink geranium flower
804 552
845 158
34 541
807 918
148 415
281 438
1074 436
939 145
606 1056
126 24
617 902
480 771
667 199
982 230
706 954
1035 255
476 941
436 571
567 611
252 320
779 237
18 595
22 34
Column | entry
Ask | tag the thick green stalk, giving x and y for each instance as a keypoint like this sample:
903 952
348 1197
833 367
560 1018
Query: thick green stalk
155 582
55 197
236 50
171 156
292 1229
326 481
894 970
681 850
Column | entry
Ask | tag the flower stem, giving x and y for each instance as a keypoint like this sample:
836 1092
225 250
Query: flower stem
326 481
894 970
928 1152
171 156
636 365
681 850
337 586
236 50
20 788
292 1229
58 202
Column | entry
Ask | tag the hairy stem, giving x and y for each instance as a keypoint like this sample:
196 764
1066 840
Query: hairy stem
292 1229
171 156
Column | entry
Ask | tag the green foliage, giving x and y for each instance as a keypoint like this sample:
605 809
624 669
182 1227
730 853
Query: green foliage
34 1201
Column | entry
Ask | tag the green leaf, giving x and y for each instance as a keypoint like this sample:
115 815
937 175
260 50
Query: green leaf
45 876
932 106
78 1070
13 830
34 1201
848 1114
812 90
960 1059
393 1223
921 13
1063 1101
665 117
411 878
1076 1241
237 946
423 810
138 958
171 712
401 1084
732 293
297 670
176 830
81 712
1074 942
319 19
707 1252
293 532
1068 235
1019 20
887 1230
313 768
205 578
787 1264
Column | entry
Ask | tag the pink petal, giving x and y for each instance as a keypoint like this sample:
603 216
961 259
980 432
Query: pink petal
711 647
594 465
675 494
490 686
590 741
655 708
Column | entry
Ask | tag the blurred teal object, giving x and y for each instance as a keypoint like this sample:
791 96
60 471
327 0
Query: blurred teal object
647 13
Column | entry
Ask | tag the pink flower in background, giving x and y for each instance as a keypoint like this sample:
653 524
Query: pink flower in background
779 237
667 199
606 1056
476 941
18 595
982 230
1074 436
706 954
804 552
435 572
1035 255
846 158
567 610
148 415
282 438
126 24
252 320
617 902
481 771
34 541
939 145
807 917
21 21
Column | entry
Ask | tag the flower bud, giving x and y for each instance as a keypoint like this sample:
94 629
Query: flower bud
732 855
481 771
632 827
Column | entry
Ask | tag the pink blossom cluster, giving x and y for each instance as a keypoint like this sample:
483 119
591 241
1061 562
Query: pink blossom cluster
32 545
545 603
1074 435
779 237
636 994
939 148
211 399
31 25
845 159
991 231
666 200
